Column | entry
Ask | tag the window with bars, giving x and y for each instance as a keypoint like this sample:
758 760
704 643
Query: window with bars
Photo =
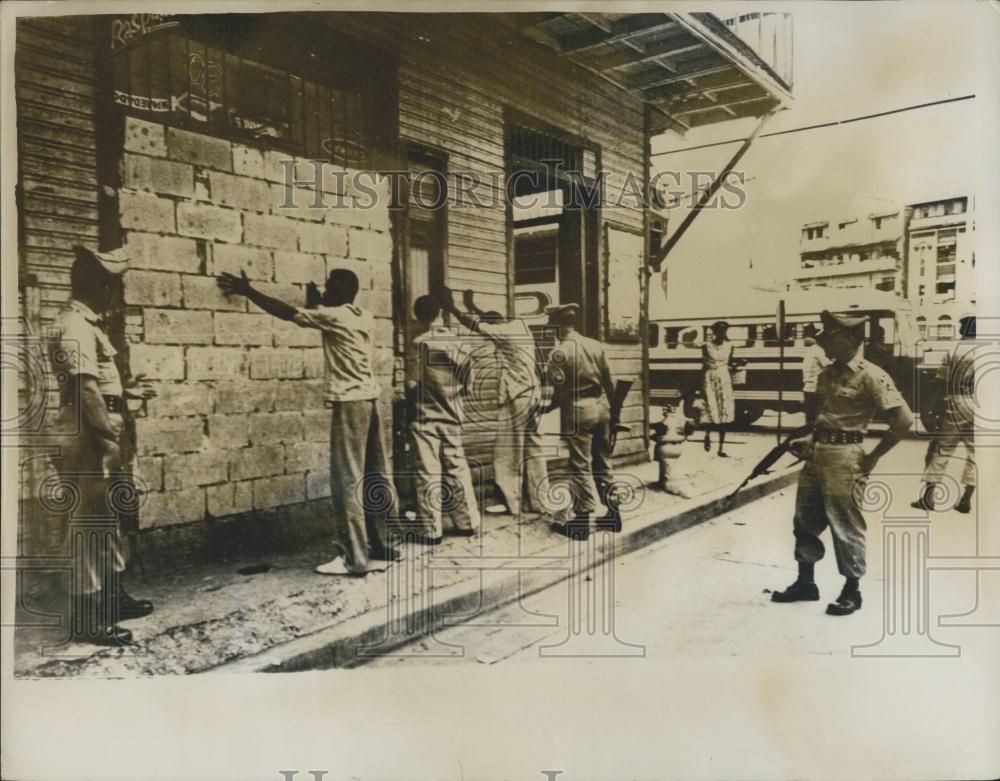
308 92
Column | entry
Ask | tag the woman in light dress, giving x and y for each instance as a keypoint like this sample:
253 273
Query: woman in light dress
717 357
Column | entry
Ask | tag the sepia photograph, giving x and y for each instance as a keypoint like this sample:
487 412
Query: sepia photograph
584 390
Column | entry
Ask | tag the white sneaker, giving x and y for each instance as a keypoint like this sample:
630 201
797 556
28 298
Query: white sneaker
338 566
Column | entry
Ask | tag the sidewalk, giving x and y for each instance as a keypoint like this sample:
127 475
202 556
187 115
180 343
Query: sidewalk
287 617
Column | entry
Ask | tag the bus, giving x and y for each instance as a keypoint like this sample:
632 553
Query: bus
675 355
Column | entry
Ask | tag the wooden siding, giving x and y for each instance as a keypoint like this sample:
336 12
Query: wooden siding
57 150
457 74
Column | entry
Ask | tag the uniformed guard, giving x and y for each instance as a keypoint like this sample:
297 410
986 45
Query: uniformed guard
92 403
583 390
957 374
851 391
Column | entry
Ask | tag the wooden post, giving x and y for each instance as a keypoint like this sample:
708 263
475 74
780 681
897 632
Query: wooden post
781 362
707 195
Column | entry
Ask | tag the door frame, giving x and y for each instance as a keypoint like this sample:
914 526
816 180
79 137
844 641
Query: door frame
590 281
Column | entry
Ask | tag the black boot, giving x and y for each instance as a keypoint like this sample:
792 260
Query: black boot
386 552
122 606
965 503
576 528
612 522
129 607
802 590
926 500
91 621
848 601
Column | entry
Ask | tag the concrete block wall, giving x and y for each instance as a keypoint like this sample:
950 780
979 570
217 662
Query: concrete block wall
239 423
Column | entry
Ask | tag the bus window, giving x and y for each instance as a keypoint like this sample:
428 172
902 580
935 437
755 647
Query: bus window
770 335
888 326
654 335
789 336
673 337
751 335
738 335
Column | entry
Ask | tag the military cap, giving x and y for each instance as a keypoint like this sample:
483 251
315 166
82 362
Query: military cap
832 322
113 261
562 311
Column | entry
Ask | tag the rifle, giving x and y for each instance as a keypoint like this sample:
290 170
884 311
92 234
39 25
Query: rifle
622 387
772 457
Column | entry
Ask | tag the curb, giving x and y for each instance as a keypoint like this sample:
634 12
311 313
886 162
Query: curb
338 646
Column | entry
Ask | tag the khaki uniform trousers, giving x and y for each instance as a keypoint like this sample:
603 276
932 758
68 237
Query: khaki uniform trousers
829 494
92 529
444 480
957 427
586 425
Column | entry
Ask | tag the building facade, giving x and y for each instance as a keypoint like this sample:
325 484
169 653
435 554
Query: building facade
865 252
942 262
923 252
192 141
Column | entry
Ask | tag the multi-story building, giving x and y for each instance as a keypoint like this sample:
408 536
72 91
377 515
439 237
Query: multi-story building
865 252
941 262
923 252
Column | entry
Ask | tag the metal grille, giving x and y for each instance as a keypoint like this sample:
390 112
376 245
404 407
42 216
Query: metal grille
533 146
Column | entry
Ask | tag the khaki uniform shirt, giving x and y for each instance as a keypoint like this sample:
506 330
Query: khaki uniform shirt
852 393
348 347
578 368
83 348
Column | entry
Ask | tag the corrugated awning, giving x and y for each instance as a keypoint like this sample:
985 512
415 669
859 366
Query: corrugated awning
690 67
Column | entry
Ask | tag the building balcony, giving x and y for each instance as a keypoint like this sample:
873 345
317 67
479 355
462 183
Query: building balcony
944 221
835 269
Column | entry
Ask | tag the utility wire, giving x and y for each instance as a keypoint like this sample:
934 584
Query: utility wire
824 124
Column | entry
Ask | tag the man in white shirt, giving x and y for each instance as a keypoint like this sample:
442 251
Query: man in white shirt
519 396
813 362
357 455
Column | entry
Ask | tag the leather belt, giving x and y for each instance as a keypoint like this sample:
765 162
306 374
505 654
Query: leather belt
830 436
590 393
114 403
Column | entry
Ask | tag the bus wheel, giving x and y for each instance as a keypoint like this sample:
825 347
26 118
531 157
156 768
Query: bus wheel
747 416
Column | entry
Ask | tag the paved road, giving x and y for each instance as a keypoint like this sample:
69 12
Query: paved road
705 592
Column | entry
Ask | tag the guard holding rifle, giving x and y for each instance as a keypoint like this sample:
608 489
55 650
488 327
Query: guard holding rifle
586 397
851 391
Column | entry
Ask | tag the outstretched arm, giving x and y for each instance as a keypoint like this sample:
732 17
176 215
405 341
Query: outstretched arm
240 286
448 304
